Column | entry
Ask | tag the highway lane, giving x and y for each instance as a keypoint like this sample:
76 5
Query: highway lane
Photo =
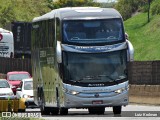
129 112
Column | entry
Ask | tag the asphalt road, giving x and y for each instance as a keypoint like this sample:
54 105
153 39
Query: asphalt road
145 112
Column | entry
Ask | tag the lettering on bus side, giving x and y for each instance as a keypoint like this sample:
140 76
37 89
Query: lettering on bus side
50 60
42 53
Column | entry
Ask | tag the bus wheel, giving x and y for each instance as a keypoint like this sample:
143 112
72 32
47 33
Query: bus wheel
117 109
96 110
21 110
54 111
64 111
44 110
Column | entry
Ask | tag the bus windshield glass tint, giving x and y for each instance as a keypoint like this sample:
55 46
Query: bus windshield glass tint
93 31
93 68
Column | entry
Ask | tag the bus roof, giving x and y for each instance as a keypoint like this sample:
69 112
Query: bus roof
80 13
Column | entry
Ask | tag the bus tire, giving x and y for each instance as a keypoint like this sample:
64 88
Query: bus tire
96 110
63 111
44 110
38 96
54 111
21 110
117 109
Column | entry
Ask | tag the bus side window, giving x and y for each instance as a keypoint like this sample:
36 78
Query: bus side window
51 33
57 29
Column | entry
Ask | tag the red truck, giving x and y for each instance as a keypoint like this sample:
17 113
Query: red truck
14 78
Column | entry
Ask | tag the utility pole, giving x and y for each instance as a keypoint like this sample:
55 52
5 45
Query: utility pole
148 10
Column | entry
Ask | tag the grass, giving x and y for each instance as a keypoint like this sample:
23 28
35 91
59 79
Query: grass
144 36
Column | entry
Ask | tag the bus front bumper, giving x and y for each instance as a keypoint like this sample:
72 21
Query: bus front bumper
74 101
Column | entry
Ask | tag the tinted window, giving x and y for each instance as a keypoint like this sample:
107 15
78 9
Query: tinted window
92 68
93 31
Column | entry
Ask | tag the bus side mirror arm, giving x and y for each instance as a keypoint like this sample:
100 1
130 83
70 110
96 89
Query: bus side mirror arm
130 51
126 36
59 52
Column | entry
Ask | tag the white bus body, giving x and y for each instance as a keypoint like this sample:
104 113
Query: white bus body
6 43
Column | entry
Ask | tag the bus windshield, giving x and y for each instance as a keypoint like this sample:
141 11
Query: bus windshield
94 68
93 31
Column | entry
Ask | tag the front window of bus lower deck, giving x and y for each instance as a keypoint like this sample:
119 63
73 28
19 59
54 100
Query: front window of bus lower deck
93 31
94 67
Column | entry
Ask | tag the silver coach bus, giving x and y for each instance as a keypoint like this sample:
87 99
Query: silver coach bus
79 60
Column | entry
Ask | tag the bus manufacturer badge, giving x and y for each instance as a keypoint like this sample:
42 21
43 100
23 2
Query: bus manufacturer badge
96 95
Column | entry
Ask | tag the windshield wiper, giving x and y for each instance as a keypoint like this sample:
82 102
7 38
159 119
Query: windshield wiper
112 80
87 78
105 76
96 78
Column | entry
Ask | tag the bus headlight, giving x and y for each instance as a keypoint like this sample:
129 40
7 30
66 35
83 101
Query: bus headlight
72 92
119 91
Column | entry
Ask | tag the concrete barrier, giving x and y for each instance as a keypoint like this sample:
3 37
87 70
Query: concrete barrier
144 94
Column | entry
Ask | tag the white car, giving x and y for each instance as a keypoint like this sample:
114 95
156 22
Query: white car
6 90
25 90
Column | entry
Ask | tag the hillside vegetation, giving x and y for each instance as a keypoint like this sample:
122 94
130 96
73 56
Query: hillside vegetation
21 10
144 36
26 10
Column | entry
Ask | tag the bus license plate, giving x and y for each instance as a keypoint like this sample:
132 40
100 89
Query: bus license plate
97 102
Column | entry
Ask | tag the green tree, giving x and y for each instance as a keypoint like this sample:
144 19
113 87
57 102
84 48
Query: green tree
71 3
128 7
124 8
21 10
107 5
155 7
26 10
6 12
